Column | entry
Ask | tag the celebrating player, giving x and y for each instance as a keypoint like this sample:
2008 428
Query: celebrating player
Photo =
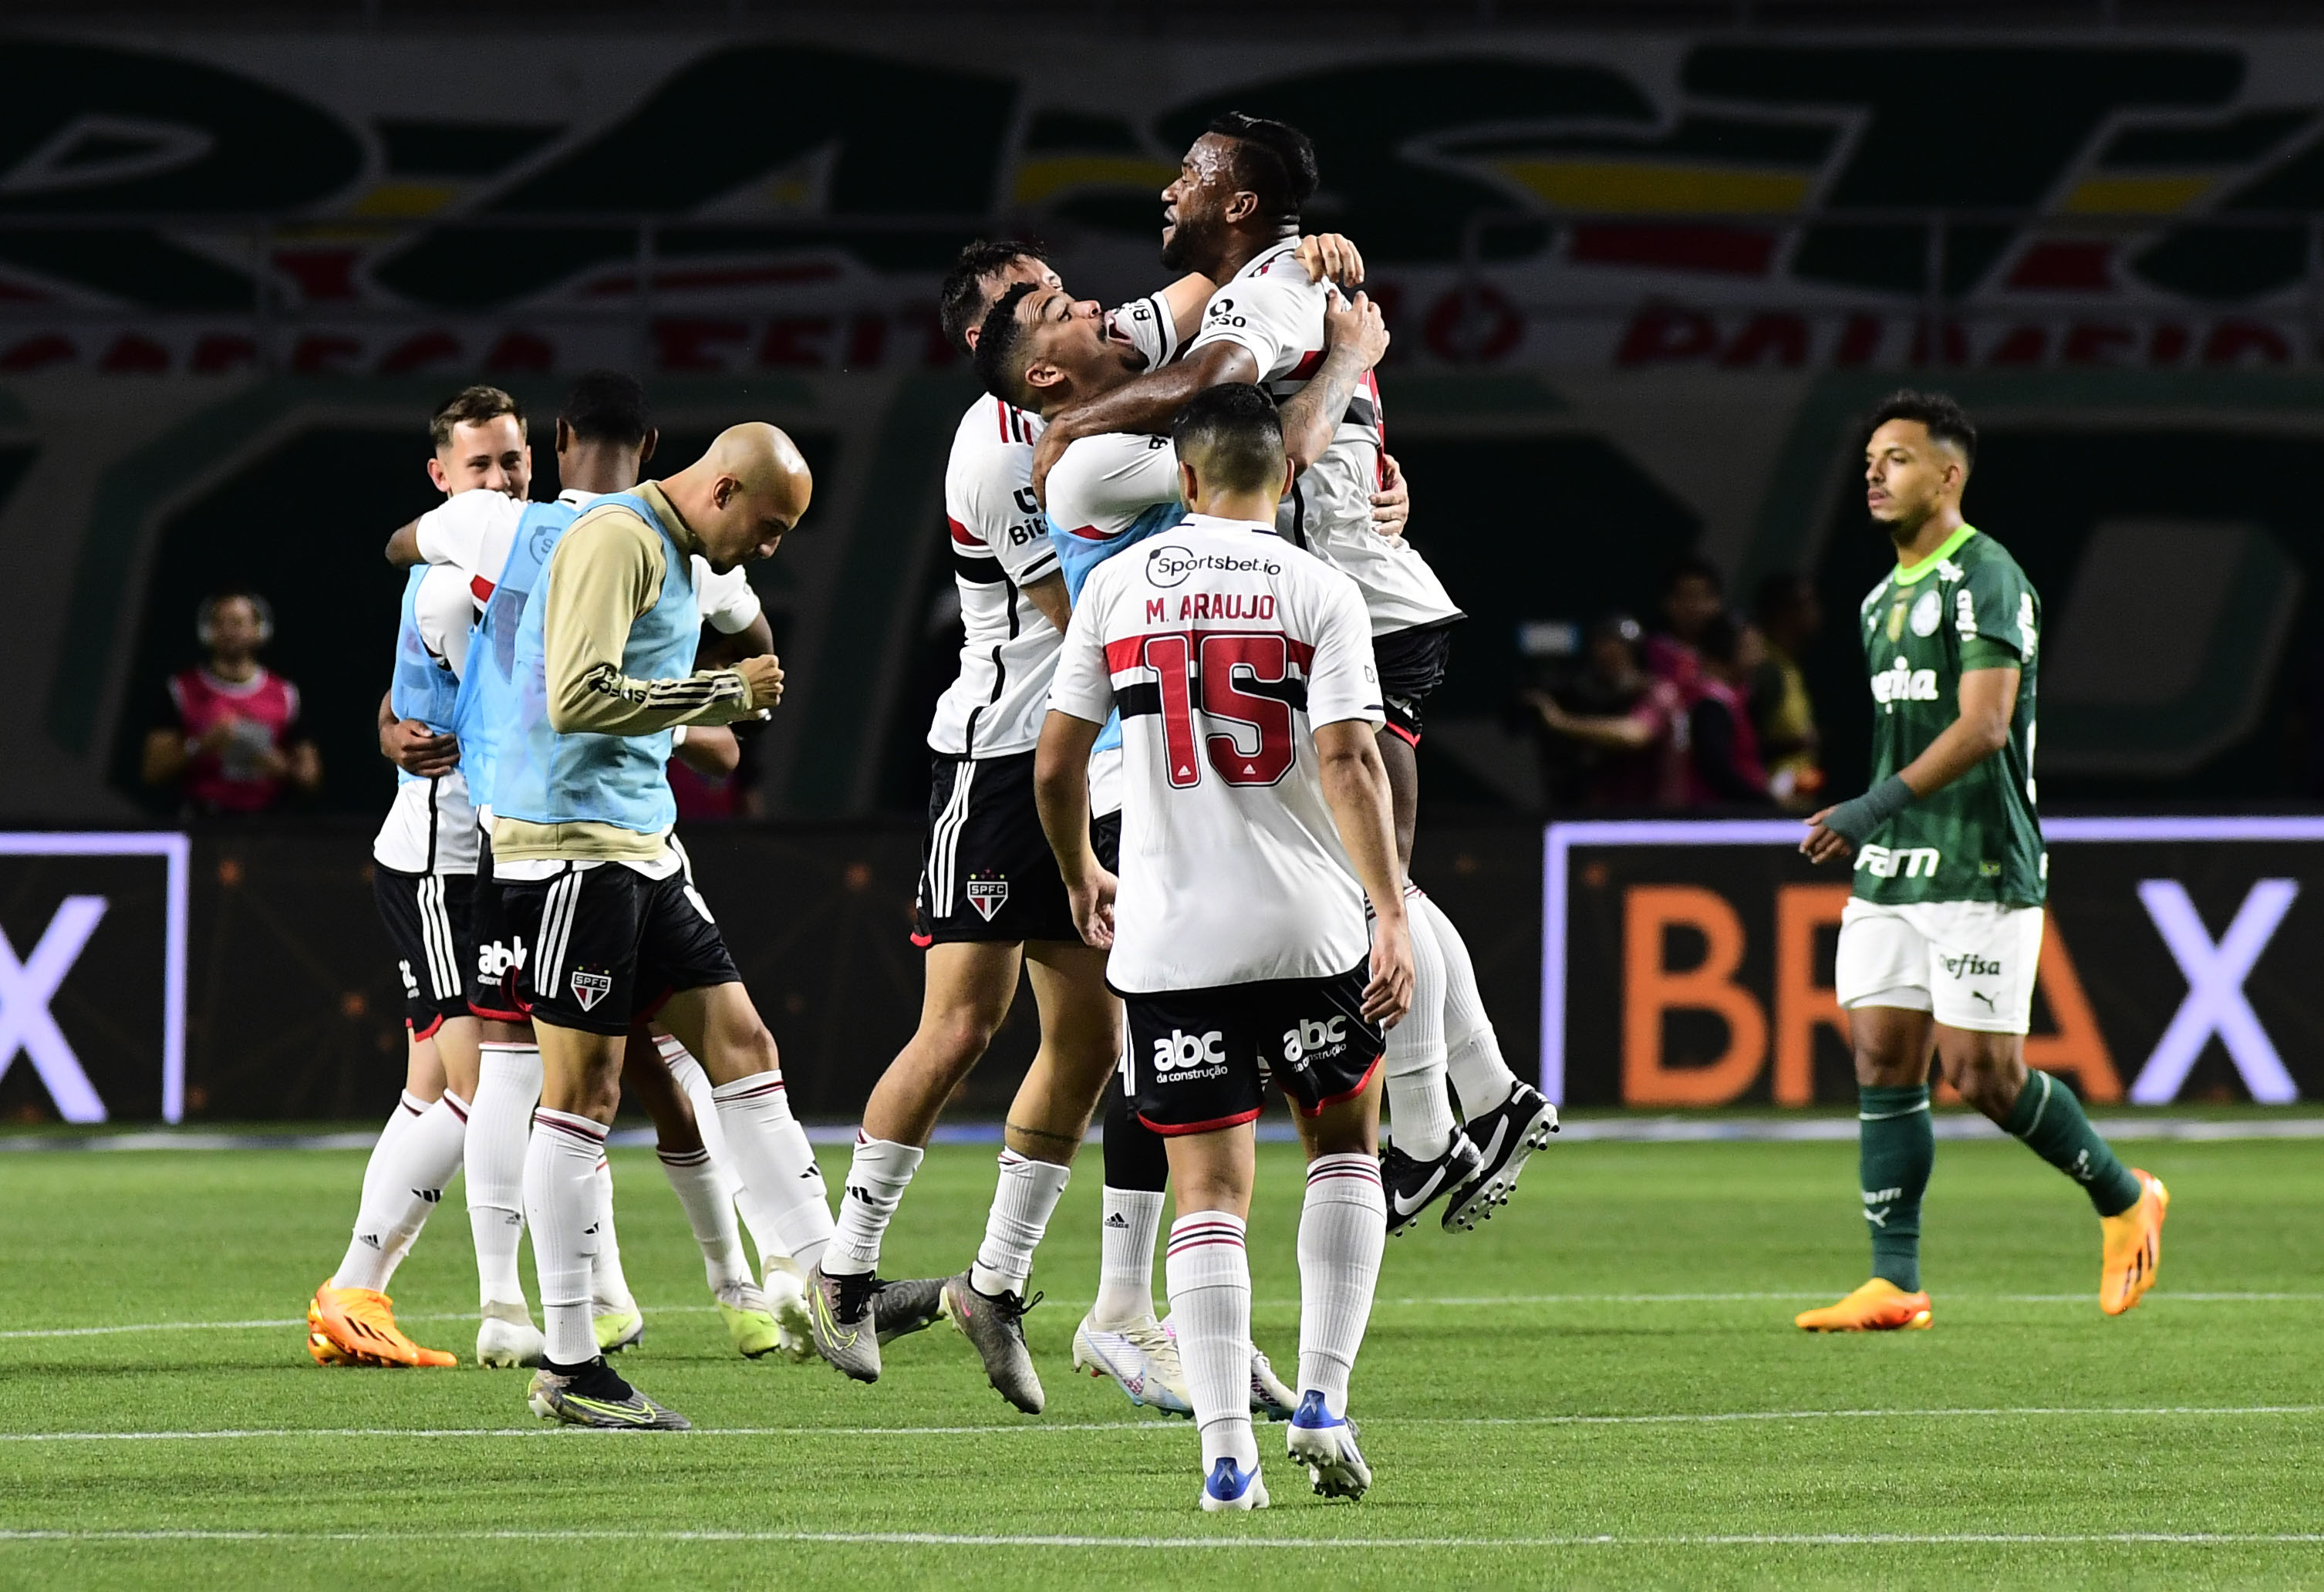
1940 943
1229 216
1255 825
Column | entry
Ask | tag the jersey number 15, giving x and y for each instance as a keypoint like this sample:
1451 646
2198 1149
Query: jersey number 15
1267 718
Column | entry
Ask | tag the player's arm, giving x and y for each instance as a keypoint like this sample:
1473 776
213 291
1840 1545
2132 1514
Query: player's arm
403 546
1061 792
1988 699
605 573
412 747
1146 403
1356 338
1355 785
712 750
1049 595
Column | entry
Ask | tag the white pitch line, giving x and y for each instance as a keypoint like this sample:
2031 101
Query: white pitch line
1705 1418
998 1539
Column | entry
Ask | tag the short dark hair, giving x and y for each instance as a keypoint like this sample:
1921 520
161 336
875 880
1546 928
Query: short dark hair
1694 567
607 406
1943 415
960 301
997 343
1273 160
468 405
1232 434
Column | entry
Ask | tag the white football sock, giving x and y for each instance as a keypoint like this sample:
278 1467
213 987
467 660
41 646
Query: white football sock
692 1079
1023 1199
1342 1229
1125 1275
1418 1103
609 1287
409 1108
876 1179
507 1086
1472 1052
776 1163
403 1185
1208 1275
709 1204
561 1202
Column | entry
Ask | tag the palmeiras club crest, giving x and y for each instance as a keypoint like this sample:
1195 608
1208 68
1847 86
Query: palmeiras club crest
988 894
590 988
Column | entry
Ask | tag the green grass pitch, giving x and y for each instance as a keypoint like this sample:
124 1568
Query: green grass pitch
1601 1387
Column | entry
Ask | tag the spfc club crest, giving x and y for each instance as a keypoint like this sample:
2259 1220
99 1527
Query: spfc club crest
590 988
988 896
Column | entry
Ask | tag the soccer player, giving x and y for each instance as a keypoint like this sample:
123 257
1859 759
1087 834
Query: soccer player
1939 944
581 819
990 902
1229 216
1255 825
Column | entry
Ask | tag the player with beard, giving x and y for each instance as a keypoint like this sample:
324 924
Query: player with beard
1229 216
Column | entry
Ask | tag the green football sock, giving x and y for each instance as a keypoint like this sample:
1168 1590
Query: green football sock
2049 1119
1894 1148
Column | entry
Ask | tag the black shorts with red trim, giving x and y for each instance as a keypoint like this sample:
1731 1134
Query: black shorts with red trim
428 917
610 945
498 954
1200 1059
1412 664
986 870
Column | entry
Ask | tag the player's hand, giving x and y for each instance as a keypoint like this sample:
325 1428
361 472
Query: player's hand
1331 258
1092 902
764 676
1822 844
1354 324
1389 994
1048 449
1392 504
412 747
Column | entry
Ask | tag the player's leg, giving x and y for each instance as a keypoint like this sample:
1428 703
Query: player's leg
500 1120
1121 1336
1882 980
970 985
1208 1275
1081 1043
1341 1233
1505 1117
1980 1036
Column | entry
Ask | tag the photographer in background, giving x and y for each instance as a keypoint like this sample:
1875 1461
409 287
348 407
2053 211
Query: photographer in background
1723 746
232 746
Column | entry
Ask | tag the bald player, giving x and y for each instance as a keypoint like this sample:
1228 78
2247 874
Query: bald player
582 819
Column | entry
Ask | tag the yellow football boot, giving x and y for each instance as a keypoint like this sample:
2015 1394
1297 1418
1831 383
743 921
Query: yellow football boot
1879 1306
358 1325
2134 1246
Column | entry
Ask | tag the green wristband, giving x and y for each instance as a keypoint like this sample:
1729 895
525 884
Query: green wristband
1855 820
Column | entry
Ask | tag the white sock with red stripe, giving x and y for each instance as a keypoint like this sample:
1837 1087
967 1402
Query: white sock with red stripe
507 1086
1023 1201
1208 1276
709 1204
776 1163
1419 1104
1472 1051
1342 1229
609 1287
402 1185
876 1179
561 1202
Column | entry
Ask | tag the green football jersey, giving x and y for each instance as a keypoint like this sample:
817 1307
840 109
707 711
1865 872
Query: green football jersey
1978 839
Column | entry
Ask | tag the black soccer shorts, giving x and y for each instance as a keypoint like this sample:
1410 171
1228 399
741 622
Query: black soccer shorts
499 955
428 917
1412 664
610 945
986 870
1200 1059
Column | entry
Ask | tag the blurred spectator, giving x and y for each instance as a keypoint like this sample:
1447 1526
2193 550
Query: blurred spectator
1613 736
230 744
1693 594
1790 615
1723 753
714 775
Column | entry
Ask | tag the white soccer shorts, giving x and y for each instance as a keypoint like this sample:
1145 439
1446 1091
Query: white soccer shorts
1969 964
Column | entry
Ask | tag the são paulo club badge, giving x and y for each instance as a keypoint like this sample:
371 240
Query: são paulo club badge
590 988
987 893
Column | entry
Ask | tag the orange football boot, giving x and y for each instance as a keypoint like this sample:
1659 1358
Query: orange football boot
2134 1246
1879 1306
359 1325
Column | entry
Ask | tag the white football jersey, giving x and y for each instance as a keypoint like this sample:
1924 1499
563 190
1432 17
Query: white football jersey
1000 545
431 824
1223 648
1273 311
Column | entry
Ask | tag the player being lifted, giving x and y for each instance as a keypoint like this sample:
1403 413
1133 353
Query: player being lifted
990 899
1256 825
1230 216
1939 944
